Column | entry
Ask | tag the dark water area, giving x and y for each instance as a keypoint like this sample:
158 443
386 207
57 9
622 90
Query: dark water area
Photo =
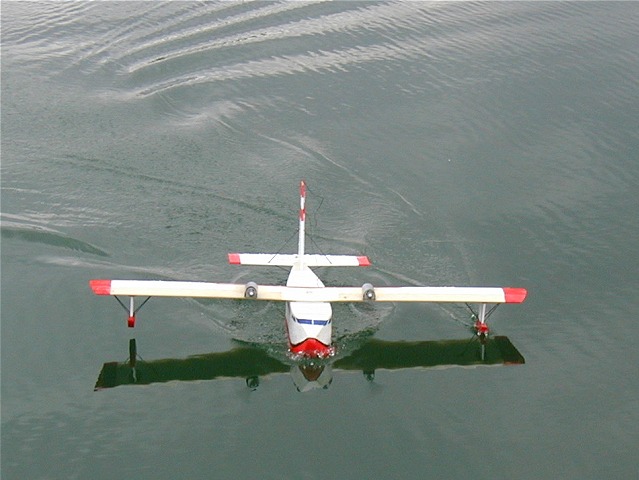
453 143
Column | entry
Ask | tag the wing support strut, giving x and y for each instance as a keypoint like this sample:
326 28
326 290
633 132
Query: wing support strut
480 326
131 310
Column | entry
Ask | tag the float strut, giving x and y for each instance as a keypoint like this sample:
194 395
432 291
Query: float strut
480 324
131 310
131 320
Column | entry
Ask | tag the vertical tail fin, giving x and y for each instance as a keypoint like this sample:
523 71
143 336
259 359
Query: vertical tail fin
300 245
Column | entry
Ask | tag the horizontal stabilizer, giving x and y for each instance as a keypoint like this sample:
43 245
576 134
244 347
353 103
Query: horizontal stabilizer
158 288
288 260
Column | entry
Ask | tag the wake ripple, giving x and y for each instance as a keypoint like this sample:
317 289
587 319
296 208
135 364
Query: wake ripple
47 236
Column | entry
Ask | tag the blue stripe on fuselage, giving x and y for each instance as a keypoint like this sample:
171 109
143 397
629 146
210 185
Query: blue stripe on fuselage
311 322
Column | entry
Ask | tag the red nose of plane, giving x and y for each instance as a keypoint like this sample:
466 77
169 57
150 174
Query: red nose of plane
313 348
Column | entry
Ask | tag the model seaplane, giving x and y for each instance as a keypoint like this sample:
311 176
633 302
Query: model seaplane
308 301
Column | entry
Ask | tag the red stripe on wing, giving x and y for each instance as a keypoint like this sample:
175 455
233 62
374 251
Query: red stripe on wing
100 287
364 261
515 295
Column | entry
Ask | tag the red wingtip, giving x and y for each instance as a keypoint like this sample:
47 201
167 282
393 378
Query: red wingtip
234 258
515 295
100 287
364 261
302 188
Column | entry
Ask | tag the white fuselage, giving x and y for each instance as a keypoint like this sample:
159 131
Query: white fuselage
307 320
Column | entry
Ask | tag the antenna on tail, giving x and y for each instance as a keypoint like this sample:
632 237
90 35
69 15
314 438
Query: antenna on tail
300 245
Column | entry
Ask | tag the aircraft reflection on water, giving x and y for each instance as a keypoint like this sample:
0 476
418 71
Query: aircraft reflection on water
252 362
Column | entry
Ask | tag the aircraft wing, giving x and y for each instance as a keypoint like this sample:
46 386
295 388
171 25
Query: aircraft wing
451 294
159 288
392 294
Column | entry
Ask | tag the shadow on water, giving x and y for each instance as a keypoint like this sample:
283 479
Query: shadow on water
250 361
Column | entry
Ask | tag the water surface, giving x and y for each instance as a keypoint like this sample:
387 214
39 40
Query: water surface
452 143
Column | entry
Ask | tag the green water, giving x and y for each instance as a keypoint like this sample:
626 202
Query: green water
452 143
